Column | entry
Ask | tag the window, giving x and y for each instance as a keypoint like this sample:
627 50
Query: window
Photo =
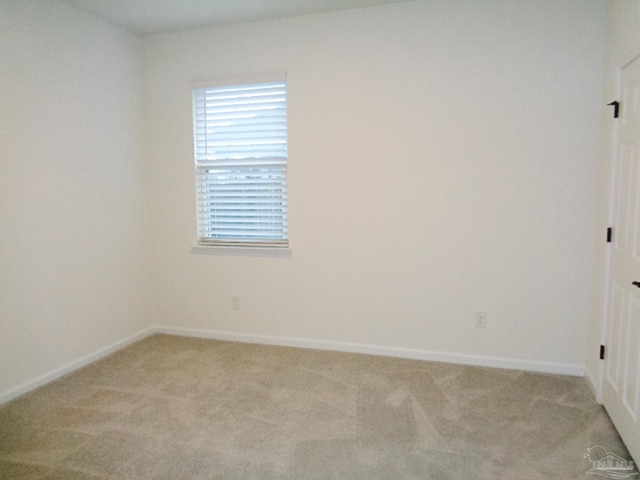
240 146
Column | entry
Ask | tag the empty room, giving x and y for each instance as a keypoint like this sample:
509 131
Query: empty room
319 239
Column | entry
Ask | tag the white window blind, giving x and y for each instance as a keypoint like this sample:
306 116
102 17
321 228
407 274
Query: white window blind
240 144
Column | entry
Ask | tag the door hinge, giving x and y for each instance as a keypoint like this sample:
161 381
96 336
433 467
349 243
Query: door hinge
602 350
616 108
609 234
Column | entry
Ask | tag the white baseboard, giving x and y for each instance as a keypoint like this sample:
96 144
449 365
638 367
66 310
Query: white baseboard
415 354
72 366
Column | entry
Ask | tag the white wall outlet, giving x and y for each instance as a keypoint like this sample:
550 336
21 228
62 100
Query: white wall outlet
481 320
235 302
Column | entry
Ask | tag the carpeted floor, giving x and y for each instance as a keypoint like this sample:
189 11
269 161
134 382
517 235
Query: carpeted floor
181 408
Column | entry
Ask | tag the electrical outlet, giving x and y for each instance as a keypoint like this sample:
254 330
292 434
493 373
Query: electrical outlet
235 303
481 320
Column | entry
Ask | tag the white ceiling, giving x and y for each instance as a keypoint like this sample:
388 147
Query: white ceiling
154 16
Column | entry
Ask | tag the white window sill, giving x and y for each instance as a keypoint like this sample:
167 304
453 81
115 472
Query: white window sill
242 251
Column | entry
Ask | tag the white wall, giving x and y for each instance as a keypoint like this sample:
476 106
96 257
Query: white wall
623 44
443 160
72 268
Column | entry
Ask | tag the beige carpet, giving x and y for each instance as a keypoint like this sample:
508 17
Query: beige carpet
179 408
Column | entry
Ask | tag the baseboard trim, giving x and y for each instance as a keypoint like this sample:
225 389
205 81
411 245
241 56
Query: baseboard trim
415 354
72 366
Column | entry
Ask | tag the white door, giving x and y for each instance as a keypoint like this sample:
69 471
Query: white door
621 393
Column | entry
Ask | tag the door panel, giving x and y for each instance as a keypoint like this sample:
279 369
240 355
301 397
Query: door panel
623 203
615 334
633 341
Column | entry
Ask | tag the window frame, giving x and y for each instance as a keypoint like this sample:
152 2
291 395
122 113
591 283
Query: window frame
279 245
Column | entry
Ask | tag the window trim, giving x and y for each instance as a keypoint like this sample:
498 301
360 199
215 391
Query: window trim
248 251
